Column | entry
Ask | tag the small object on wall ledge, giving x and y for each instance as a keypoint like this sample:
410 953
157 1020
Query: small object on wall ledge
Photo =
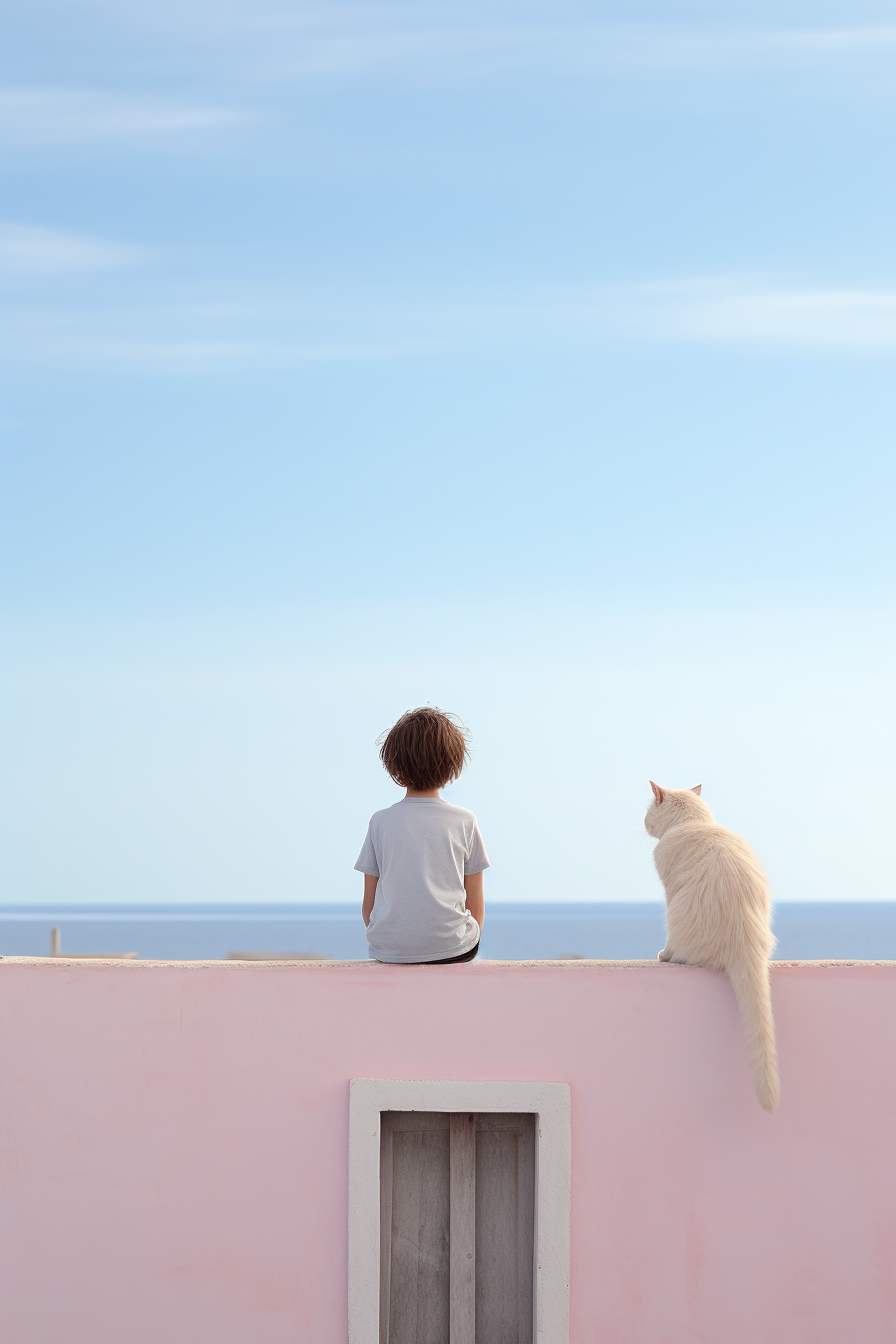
278 956
56 951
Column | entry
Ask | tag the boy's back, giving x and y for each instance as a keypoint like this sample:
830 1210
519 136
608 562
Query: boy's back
421 849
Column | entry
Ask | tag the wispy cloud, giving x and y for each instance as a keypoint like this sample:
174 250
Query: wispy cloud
462 39
185 357
329 43
732 311
334 40
273 334
879 38
174 340
28 249
61 116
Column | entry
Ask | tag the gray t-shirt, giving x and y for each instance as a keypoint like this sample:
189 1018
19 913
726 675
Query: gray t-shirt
421 849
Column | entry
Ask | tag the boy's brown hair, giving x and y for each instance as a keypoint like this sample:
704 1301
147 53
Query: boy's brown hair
425 749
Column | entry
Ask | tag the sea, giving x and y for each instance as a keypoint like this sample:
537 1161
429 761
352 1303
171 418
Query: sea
806 930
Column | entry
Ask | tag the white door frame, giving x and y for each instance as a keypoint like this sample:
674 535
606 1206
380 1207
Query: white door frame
553 1149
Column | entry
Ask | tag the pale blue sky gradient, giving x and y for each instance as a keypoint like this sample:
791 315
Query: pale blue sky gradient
536 361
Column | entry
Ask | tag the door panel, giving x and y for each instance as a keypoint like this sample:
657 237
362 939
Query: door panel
428 1158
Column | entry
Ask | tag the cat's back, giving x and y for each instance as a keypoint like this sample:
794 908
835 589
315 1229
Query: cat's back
718 898
704 850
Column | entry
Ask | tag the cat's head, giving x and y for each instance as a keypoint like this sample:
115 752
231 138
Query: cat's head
670 807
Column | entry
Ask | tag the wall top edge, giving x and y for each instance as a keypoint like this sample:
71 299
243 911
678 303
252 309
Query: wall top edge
374 968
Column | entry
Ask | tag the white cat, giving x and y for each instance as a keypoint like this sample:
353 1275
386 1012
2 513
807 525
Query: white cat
718 907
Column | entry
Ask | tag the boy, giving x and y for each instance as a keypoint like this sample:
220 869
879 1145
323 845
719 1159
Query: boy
423 858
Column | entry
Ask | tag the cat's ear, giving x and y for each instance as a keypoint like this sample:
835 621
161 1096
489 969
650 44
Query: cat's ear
696 789
657 793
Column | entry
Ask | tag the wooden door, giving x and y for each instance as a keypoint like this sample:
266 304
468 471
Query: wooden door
457 1228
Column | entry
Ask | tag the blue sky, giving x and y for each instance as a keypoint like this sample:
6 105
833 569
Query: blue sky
535 361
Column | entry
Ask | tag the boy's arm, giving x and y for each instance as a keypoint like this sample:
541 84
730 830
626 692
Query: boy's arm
369 897
475 898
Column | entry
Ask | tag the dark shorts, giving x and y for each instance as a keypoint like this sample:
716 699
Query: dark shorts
450 961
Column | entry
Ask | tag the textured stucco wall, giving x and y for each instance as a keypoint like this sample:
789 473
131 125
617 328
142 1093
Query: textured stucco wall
173 1143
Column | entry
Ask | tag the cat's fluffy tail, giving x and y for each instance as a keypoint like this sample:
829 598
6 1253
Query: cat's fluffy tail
750 980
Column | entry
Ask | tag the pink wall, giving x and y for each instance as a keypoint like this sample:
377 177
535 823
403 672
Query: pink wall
173 1144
